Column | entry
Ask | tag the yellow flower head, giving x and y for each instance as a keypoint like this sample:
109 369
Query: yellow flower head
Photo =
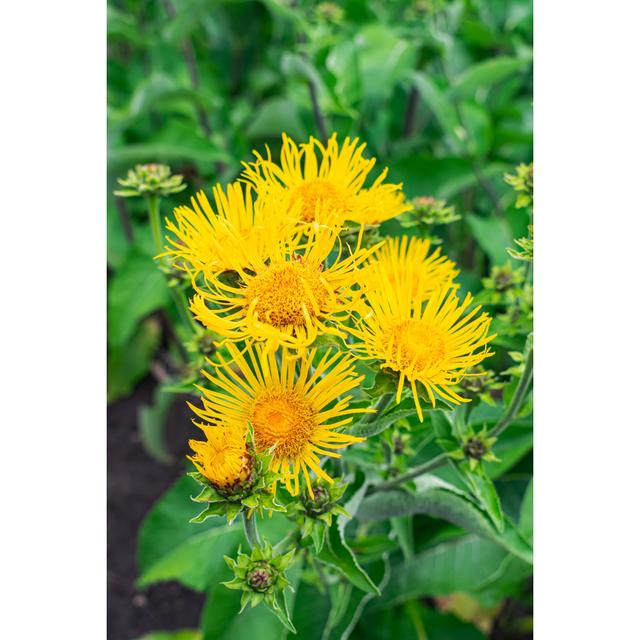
223 458
408 265
294 408
325 183
430 342
286 298
201 236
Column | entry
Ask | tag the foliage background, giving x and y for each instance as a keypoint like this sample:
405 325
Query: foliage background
442 94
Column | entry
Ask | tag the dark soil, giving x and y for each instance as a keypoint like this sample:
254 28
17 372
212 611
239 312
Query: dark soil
134 482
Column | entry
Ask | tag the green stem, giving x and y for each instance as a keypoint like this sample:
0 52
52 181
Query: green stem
512 411
178 295
182 304
290 537
381 405
251 530
153 204
413 610
518 397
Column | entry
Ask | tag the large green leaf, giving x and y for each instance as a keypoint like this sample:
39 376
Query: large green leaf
485 74
336 552
493 235
470 564
378 425
443 108
137 289
172 548
151 425
441 500
220 619
127 364
526 513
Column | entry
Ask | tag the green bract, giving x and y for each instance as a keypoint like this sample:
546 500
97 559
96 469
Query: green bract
255 493
314 515
261 577
148 179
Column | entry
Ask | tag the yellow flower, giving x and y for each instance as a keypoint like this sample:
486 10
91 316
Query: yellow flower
430 342
325 183
283 294
293 404
407 264
201 236
223 458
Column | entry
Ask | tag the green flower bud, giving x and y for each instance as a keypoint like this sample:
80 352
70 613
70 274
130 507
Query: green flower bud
147 179
261 576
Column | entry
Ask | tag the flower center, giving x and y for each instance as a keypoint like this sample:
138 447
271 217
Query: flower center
317 193
284 419
417 345
285 292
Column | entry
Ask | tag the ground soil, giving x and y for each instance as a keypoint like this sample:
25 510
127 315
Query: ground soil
134 482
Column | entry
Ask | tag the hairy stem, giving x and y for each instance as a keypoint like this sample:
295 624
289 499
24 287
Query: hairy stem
381 405
251 530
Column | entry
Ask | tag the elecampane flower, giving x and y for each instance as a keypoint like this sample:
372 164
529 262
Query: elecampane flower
294 404
407 264
284 294
201 235
434 343
223 458
325 183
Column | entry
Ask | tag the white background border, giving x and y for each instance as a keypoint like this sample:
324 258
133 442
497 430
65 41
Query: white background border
53 257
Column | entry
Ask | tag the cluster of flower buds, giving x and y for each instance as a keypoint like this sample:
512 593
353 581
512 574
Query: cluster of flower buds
148 179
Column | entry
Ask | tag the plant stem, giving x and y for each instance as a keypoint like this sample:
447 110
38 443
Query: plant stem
507 419
518 397
290 537
251 530
153 205
381 405
317 113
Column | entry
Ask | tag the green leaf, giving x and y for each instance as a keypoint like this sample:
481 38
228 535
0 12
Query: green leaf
220 619
402 526
172 548
485 74
378 425
337 553
352 604
269 119
468 564
137 289
526 514
443 109
485 492
441 500
127 364
310 612
440 177
151 426
493 235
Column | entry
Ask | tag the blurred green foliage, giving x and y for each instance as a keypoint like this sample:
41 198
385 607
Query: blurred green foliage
441 92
